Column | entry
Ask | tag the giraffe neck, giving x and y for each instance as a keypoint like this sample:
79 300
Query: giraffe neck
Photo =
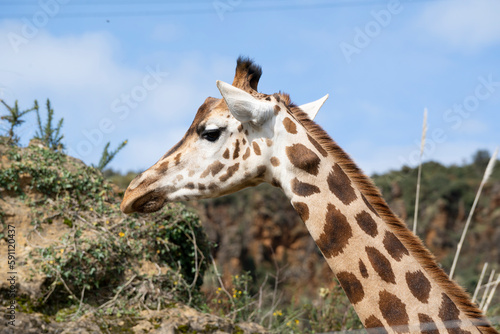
387 274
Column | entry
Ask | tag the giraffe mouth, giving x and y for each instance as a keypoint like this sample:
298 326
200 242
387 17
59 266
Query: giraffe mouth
149 202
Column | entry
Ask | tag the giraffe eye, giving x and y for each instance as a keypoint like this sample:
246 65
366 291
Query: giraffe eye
211 135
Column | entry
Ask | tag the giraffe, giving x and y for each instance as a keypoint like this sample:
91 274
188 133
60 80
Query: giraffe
246 138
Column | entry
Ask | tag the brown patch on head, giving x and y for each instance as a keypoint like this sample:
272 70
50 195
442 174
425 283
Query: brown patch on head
394 311
336 233
427 325
303 158
256 148
369 205
367 224
276 109
320 149
290 126
352 286
230 172
269 142
419 285
177 158
243 141
226 154
213 168
247 74
374 325
240 127
381 265
302 209
268 98
362 269
275 161
394 246
212 187
340 185
236 152
303 189
163 168
247 153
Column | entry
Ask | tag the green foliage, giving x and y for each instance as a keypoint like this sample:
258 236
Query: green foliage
39 169
107 156
330 311
102 260
14 119
333 313
51 136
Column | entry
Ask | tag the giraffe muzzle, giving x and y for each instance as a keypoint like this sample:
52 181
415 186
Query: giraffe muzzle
149 202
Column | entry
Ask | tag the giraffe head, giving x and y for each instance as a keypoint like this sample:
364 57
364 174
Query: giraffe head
227 147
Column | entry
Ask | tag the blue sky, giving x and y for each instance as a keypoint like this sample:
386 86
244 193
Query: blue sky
137 70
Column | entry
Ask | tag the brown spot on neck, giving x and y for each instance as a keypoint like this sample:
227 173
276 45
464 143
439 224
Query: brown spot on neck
381 264
275 161
303 158
394 246
340 185
226 154
336 233
302 209
352 286
394 312
367 224
320 149
374 325
419 285
290 126
362 269
427 325
303 189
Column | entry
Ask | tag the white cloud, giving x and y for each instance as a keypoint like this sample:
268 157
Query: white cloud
469 25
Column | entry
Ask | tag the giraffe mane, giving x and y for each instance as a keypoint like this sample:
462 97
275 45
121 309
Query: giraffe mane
410 241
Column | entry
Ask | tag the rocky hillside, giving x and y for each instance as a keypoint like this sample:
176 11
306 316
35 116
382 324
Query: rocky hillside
75 264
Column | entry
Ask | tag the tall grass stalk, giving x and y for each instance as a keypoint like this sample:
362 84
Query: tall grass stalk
422 145
478 286
487 289
492 293
487 174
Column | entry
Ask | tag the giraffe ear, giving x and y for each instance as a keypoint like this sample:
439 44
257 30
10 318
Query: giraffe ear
312 108
244 107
